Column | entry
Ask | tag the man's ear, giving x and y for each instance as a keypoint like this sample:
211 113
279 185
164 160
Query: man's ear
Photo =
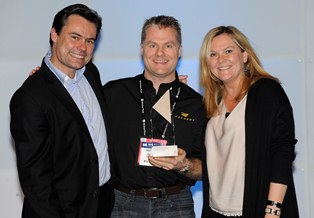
53 34
180 51
142 50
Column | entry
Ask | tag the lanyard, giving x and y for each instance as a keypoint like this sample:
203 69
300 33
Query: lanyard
151 121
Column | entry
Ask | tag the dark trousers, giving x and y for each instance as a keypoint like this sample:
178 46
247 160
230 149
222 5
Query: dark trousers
105 201
170 206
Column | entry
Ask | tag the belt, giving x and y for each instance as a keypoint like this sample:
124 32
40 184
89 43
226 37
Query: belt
152 192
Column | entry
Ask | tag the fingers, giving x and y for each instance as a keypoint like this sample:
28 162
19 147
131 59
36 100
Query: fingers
181 152
169 163
166 163
162 164
183 79
34 70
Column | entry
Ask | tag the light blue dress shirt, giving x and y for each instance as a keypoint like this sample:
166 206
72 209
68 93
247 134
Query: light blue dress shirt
85 99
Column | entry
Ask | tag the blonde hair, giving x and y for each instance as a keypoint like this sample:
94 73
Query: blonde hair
213 87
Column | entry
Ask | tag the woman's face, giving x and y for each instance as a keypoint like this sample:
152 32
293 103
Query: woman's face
226 60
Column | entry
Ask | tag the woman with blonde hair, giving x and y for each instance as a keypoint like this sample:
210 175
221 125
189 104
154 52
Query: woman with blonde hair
250 140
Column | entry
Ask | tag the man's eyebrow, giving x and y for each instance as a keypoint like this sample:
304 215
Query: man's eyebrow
77 34
168 42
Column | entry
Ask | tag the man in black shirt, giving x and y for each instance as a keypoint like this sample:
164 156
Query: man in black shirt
155 186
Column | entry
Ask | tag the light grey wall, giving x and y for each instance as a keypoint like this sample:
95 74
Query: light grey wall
281 32
308 134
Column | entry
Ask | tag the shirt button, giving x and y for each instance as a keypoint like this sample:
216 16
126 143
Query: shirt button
95 194
94 161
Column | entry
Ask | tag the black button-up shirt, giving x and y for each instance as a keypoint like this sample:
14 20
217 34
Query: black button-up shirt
125 128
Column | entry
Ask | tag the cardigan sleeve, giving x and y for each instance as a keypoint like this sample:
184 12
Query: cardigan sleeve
283 139
273 133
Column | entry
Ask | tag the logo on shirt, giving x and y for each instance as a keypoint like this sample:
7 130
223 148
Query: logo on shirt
184 116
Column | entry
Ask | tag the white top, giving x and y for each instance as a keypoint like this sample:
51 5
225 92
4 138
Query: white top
225 153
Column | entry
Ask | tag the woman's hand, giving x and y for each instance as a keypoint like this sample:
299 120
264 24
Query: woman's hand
34 70
183 79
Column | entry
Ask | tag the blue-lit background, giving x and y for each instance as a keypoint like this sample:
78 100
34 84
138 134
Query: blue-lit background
280 30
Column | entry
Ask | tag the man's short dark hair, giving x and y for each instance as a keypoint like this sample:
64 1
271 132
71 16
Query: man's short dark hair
78 9
162 21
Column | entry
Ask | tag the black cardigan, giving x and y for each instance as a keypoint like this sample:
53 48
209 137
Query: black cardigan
269 144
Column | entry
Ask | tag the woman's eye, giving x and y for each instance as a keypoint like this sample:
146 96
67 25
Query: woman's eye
228 51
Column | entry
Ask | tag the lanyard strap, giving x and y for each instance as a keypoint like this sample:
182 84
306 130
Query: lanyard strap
151 121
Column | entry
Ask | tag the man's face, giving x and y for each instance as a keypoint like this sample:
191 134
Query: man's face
161 52
73 48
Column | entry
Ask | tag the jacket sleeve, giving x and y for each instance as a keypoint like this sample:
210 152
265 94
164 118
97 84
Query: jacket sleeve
283 139
34 152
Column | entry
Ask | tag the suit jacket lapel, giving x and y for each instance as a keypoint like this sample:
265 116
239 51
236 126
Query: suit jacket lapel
62 94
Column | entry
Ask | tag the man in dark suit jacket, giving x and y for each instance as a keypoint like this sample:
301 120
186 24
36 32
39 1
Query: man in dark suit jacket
57 123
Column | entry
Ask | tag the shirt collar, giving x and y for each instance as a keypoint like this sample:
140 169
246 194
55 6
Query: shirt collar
174 83
163 87
65 80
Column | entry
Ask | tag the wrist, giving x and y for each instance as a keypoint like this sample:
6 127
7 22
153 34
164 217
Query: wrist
273 208
273 211
274 203
186 167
